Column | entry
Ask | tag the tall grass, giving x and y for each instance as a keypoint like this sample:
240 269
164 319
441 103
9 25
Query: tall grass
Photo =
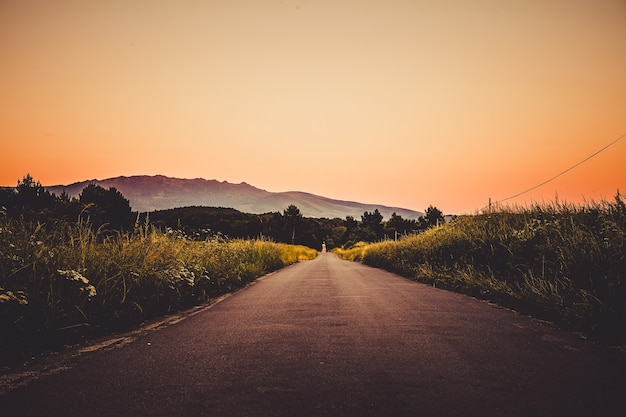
353 253
63 282
562 262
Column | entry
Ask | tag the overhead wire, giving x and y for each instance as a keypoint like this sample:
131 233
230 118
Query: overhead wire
560 173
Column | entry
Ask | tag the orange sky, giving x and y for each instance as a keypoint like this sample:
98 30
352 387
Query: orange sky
404 103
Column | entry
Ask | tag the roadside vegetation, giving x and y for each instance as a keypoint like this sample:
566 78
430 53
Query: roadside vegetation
64 281
561 262
72 268
109 210
67 282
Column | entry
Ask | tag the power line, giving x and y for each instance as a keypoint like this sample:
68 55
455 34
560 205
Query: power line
560 173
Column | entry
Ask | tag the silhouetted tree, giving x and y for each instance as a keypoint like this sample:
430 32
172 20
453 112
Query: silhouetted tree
432 218
106 207
351 223
272 226
397 225
29 200
372 226
351 235
293 218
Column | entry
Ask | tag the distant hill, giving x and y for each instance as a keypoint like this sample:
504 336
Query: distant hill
149 193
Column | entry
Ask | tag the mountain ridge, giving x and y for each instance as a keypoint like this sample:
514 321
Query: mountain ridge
158 192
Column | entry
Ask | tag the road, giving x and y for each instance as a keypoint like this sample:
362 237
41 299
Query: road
333 338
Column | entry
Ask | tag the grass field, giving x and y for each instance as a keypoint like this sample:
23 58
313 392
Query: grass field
561 262
61 283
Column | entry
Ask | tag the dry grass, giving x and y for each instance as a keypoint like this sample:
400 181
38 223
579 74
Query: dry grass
562 262
354 253
63 282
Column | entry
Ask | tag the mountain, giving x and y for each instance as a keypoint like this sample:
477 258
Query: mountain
149 193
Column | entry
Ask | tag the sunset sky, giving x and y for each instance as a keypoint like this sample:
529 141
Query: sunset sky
403 103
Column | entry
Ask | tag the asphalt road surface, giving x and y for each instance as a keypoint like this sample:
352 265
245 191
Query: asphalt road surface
333 338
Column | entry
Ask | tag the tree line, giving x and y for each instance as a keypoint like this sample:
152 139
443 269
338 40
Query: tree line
106 209
109 211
